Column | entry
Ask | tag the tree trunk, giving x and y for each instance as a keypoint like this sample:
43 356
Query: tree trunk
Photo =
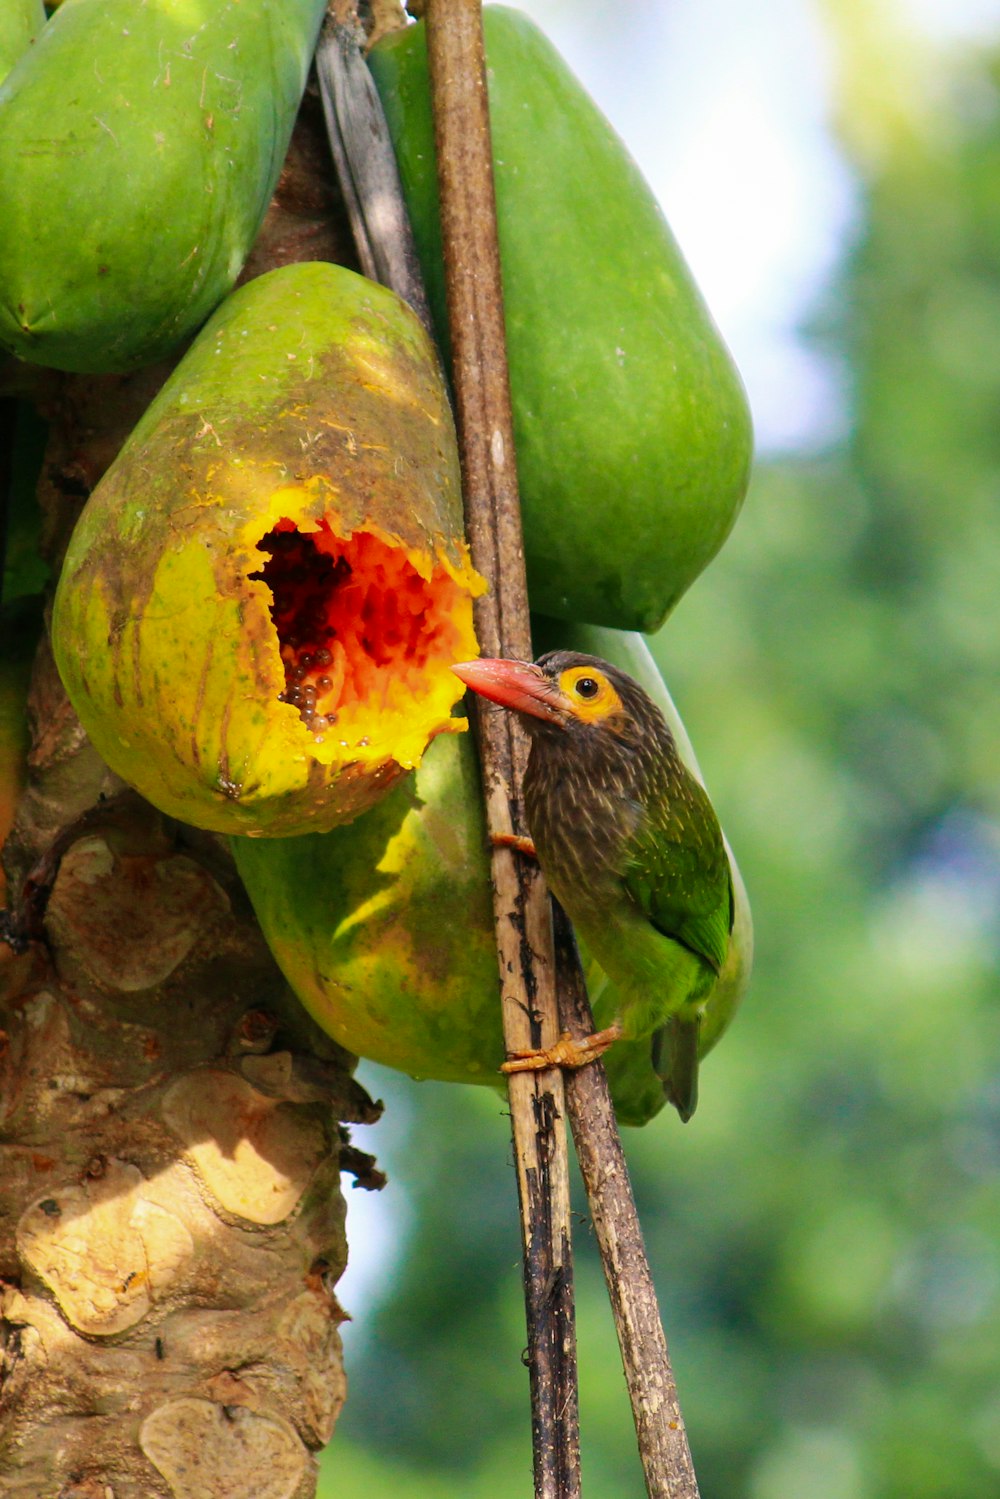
171 1223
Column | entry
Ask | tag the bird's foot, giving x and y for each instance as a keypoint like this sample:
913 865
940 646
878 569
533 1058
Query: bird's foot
515 841
567 1052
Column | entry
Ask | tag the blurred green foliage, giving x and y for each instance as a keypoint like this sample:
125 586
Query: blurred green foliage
825 1232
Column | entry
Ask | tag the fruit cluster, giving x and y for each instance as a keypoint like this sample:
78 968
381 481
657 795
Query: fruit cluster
261 602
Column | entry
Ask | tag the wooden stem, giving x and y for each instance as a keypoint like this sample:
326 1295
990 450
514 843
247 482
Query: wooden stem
528 966
659 1425
521 907
366 163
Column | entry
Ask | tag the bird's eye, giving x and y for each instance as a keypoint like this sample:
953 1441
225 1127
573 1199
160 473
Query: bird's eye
587 687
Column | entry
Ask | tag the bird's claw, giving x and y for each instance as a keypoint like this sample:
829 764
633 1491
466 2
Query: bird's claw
515 841
567 1051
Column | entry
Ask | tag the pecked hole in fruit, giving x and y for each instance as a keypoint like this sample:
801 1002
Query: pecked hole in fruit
366 640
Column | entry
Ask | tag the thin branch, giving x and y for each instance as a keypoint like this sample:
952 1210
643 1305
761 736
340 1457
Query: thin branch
663 1445
521 908
366 166
523 928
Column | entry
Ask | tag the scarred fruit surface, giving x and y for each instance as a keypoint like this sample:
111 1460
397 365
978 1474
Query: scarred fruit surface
262 598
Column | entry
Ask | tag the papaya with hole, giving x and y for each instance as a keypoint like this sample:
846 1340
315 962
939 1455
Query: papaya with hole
260 603
384 929
139 151
632 431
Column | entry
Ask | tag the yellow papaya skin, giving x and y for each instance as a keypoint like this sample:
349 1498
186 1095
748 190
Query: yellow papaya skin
632 430
140 147
384 929
310 410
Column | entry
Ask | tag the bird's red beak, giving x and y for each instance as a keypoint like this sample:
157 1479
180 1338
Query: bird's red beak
513 684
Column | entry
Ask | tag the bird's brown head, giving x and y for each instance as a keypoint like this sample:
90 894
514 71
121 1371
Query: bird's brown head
566 693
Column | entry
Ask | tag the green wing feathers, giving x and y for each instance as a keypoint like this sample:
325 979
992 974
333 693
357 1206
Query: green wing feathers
678 869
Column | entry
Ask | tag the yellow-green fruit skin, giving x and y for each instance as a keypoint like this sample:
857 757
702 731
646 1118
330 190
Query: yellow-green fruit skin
20 23
311 392
384 929
632 431
139 149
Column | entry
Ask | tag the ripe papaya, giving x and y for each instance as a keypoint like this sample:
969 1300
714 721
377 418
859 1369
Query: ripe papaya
20 23
631 425
140 148
262 597
384 929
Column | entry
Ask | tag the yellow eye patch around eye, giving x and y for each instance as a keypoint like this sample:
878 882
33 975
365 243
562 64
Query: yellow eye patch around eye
604 703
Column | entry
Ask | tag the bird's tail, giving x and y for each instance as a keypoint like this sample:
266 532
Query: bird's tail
675 1061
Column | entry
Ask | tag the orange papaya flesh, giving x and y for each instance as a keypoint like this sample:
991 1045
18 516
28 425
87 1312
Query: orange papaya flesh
280 540
384 929
357 626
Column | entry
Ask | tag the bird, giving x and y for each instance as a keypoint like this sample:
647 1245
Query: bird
628 842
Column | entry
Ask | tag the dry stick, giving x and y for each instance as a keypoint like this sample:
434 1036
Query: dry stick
521 909
367 169
663 1444
366 165
365 160
475 308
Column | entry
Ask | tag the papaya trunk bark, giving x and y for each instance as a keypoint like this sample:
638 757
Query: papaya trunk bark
171 1224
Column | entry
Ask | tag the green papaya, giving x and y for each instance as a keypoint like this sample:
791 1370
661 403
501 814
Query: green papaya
261 600
631 425
20 23
384 929
140 148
